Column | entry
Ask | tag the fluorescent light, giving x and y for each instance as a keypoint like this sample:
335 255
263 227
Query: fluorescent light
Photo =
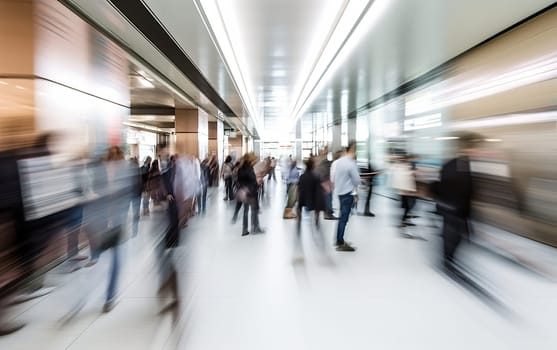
493 140
221 35
20 87
425 122
145 83
506 120
446 138
3 82
542 69
346 36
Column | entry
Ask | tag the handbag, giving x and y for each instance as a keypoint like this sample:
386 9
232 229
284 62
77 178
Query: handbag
242 194
110 238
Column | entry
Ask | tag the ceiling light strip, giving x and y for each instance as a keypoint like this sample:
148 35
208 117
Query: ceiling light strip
224 46
301 107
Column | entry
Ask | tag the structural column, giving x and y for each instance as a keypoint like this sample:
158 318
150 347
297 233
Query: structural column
213 139
192 127
299 140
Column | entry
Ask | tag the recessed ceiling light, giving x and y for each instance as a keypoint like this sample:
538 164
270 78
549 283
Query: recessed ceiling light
3 82
20 87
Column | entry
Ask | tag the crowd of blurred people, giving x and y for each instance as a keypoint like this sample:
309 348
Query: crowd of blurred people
44 193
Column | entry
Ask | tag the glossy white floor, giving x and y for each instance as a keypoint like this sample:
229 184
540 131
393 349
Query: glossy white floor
250 293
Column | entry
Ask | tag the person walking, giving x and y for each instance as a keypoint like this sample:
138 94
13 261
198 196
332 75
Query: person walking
248 195
345 178
227 176
453 194
145 169
292 191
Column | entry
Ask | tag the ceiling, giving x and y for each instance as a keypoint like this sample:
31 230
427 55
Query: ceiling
347 53
274 61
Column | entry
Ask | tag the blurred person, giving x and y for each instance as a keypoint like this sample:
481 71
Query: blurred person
214 166
174 194
325 174
453 194
310 193
135 198
155 183
237 194
107 212
404 182
273 165
369 177
145 169
345 178
227 176
204 181
261 169
247 182
292 191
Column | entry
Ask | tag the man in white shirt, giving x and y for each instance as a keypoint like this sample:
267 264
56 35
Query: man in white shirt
345 177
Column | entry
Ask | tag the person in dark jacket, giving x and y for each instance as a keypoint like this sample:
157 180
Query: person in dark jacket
248 186
145 169
310 193
170 238
453 194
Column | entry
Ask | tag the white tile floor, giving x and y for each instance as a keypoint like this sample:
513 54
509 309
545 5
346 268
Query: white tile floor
248 293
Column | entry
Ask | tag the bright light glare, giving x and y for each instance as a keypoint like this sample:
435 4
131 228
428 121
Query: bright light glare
341 44
511 119
212 16
544 68
3 82
145 83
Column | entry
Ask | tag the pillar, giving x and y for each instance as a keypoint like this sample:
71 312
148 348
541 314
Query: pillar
192 128
298 154
67 76
213 139
352 125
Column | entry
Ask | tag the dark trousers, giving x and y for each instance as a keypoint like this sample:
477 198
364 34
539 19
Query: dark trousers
252 204
368 199
136 211
202 200
73 227
237 210
408 203
346 202
272 175
229 191
329 203
453 229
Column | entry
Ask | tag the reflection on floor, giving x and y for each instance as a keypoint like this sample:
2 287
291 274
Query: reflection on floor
259 292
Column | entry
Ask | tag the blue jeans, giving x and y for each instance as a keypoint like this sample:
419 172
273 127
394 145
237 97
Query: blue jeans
346 202
135 204
114 272
202 200
329 203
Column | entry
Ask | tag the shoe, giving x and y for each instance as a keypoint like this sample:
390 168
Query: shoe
245 233
289 214
109 305
330 217
369 214
91 263
407 223
345 248
78 258
234 219
258 230
6 329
